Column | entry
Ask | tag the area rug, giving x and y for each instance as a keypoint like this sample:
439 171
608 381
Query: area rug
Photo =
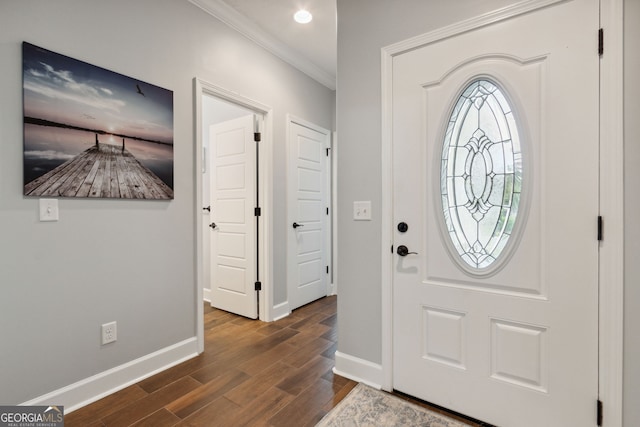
367 407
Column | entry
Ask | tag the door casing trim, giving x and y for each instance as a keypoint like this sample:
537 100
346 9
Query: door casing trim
611 264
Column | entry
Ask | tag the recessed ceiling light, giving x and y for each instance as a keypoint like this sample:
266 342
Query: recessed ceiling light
303 16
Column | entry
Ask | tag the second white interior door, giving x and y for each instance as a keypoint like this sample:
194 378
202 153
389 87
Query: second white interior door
307 257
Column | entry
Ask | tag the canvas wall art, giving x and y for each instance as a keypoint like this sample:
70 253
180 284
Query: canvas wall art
91 132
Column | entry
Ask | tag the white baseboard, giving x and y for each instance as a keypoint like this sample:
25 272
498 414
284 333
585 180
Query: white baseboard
359 370
206 294
281 310
88 390
333 289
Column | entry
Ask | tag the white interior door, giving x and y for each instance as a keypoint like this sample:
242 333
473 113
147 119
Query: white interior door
495 174
232 220
308 232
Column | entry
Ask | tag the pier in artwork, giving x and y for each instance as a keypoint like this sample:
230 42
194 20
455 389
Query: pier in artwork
101 171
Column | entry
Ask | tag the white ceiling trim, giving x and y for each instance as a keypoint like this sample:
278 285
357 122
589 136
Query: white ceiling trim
234 19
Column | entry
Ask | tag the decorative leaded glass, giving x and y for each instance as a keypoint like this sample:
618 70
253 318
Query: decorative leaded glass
481 174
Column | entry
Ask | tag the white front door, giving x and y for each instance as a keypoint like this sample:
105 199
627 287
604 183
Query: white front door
495 177
232 220
308 232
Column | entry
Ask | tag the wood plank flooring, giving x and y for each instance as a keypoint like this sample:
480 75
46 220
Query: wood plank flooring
251 373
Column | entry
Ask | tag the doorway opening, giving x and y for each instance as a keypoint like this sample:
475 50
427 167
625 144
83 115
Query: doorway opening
216 106
609 337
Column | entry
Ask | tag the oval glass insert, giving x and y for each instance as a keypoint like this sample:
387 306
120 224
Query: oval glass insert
481 174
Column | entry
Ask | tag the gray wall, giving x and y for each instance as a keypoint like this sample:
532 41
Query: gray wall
632 212
129 261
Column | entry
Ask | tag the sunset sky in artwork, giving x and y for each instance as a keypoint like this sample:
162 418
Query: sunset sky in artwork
68 91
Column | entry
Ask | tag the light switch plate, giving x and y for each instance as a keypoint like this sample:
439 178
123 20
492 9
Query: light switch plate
362 211
48 209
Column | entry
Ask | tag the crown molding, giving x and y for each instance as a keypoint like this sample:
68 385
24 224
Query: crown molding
234 19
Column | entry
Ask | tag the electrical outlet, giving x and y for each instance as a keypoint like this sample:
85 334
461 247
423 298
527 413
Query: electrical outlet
109 332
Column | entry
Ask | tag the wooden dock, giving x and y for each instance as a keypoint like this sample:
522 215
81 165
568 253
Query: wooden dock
102 171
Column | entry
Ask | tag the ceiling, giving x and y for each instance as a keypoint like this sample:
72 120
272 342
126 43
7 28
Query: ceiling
309 47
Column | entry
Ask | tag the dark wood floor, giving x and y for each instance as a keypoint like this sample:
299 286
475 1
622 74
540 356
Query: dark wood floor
251 373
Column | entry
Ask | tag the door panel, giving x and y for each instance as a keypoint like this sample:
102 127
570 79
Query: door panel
308 204
233 240
524 78
513 343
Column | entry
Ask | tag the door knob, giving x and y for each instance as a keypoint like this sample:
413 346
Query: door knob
296 225
213 225
404 251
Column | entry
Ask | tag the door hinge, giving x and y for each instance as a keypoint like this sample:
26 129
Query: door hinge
599 411
258 286
600 41
328 151
327 211
257 212
600 225
256 136
327 269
